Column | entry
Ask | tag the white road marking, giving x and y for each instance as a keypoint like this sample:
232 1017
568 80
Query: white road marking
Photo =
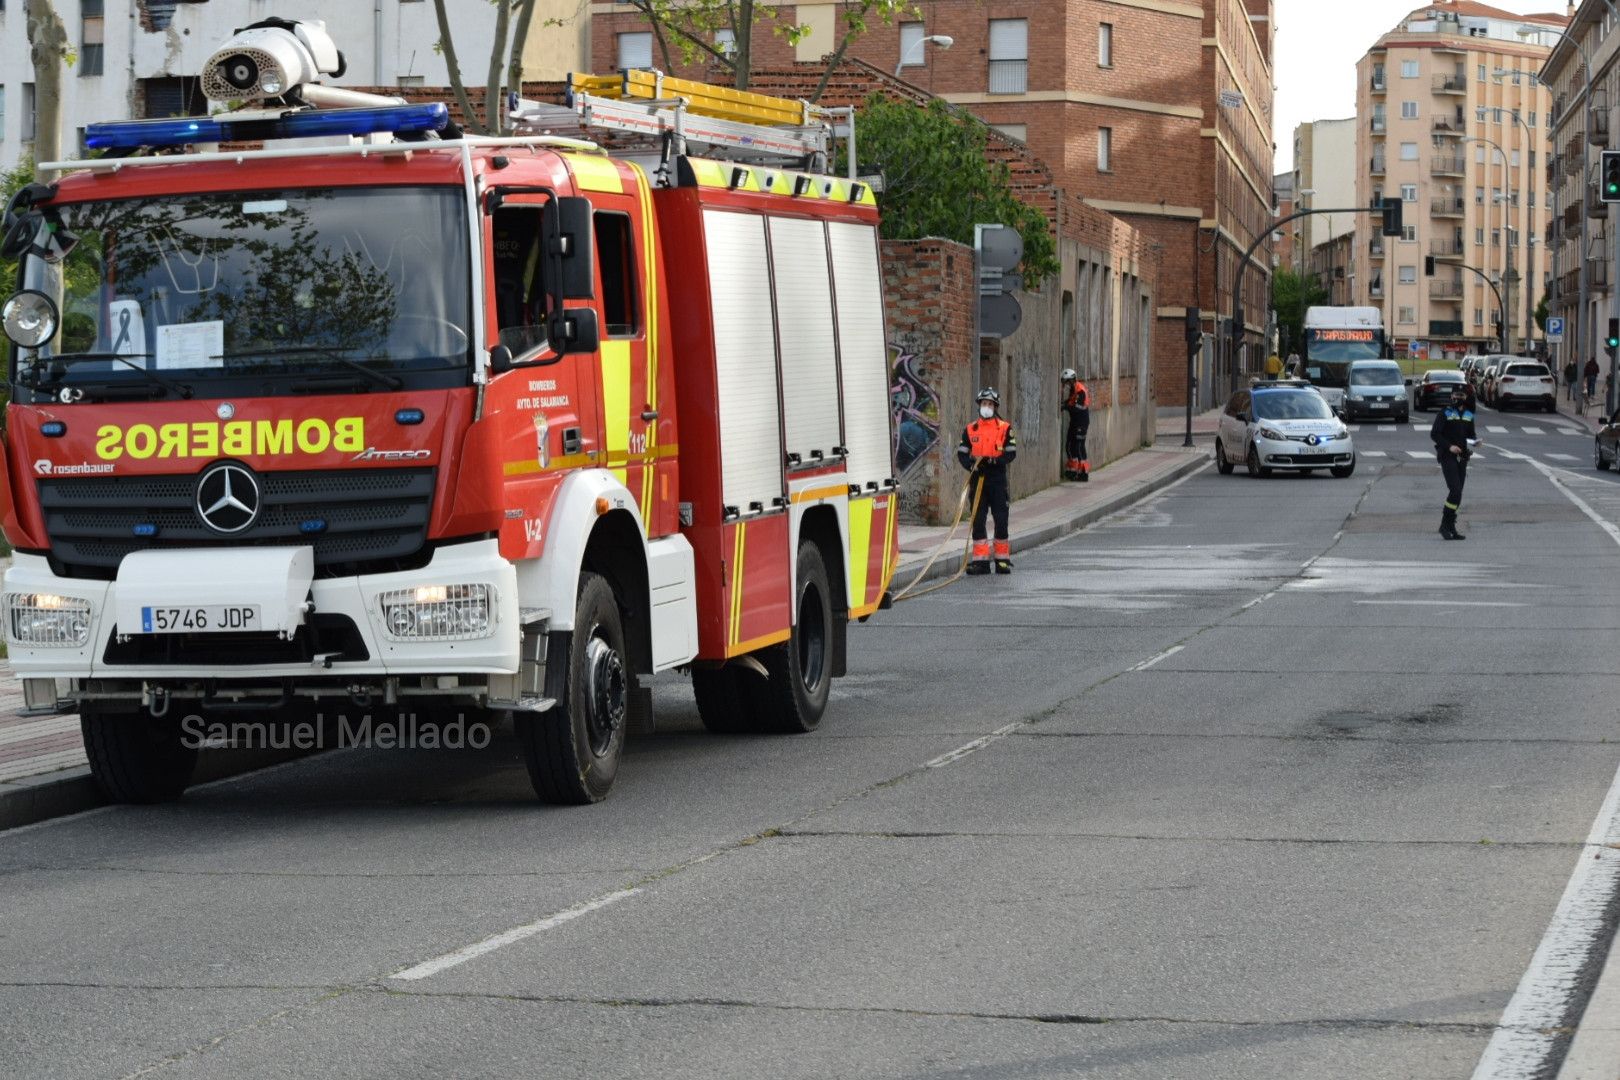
1386 427
1375 453
517 933
1167 654
1418 453
1532 431
1523 1041
1497 430
1354 427
1563 457
1444 603
973 747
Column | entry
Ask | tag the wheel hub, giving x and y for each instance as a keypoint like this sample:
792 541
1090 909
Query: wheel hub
606 691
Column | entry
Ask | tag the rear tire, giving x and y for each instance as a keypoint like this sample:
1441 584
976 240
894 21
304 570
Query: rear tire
724 704
1223 464
573 750
794 697
136 757
1598 459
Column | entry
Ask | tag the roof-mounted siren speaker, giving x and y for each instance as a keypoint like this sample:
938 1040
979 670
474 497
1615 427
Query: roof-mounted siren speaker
271 59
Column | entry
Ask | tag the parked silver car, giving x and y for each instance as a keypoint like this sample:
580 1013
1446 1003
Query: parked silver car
1282 425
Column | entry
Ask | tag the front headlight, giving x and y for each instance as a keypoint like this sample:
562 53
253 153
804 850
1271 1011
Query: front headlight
438 612
29 318
47 619
1269 433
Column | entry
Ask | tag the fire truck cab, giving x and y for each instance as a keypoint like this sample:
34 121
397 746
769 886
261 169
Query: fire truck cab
442 424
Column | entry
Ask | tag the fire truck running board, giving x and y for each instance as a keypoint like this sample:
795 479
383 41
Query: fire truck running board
532 705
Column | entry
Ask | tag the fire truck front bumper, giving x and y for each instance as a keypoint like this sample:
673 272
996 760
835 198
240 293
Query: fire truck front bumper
257 613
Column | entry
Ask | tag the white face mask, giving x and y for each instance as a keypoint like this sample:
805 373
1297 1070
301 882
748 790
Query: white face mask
987 411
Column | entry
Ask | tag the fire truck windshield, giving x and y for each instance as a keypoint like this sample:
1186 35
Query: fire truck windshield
278 292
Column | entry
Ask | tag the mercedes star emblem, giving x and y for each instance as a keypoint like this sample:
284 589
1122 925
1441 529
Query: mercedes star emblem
228 498
225 411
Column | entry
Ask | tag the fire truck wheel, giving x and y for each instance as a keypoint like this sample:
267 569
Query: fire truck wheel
793 698
724 704
136 757
573 749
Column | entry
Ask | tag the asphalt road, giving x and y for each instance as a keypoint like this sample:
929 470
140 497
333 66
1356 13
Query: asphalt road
1258 779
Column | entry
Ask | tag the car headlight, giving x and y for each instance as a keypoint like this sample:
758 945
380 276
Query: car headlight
438 612
1275 436
1342 433
47 619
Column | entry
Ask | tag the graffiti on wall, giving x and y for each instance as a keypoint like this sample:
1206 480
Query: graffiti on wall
915 407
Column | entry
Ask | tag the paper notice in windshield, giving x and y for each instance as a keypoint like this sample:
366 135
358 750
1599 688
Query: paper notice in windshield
127 327
191 345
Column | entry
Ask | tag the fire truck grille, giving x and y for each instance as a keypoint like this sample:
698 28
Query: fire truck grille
358 521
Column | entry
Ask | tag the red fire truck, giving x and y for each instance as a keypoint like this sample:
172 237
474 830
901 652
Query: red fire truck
442 424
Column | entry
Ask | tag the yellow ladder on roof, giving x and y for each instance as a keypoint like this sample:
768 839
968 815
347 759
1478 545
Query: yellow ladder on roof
699 99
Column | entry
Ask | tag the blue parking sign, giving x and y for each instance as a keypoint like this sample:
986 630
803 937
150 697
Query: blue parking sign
1555 328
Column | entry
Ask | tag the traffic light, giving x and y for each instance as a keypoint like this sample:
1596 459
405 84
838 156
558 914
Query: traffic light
1609 189
1391 209
1195 328
1428 266
1612 342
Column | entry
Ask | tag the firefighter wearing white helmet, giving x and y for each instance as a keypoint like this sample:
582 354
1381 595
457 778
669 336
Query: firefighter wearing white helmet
987 448
1077 407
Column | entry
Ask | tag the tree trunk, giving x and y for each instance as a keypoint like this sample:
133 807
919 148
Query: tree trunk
520 41
48 43
449 46
497 57
745 42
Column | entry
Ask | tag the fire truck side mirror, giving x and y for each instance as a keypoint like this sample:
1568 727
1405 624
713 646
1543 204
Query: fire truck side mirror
569 240
574 330
500 359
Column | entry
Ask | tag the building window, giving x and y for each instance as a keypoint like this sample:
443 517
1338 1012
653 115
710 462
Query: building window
1409 110
1105 45
1009 56
1514 157
1406 315
635 50
1408 275
725 42
1513 200
1408 193
28 116
1014 131
1479 236
1482 73
1496 238
1409 151
1105 149
1409 69
1479 317
1409 232
92 35
1531 120
1479 155
409 80
1479 196
911 46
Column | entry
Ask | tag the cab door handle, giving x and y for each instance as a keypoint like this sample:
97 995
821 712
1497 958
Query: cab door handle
649 415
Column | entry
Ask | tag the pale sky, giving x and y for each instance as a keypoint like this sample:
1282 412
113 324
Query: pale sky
1318 44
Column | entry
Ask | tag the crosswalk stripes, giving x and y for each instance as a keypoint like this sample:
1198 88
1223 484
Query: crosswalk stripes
1372 453
1532 431
1496 430
1563 457
1418 453
1386 427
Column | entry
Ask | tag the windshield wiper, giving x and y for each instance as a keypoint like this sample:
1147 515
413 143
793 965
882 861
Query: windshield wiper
381 378
64 362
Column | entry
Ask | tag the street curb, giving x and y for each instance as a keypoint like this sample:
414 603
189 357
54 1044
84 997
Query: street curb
1087 515
1595 1052
70 791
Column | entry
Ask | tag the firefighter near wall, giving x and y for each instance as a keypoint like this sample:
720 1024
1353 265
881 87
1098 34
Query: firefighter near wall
988 446
383 416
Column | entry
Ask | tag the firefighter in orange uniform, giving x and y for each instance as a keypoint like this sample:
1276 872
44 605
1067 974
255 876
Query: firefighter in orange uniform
1077 406
988 447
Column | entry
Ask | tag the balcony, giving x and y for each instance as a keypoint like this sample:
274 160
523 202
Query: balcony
1009 76
1377 166
1447 166
1597 273
1572 216
1446 249
1445 328
1595 207
1378 125
1447 207
1598 133
1379 82
1446 290
1376 288
1450 84
1446 125
1375 248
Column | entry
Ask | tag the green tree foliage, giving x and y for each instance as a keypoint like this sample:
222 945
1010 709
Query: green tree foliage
1291 294
938 182
1541 313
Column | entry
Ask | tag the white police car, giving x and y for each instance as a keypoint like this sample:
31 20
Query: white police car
1282 425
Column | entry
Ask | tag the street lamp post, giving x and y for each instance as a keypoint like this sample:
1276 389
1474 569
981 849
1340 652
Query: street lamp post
1507 248
944 41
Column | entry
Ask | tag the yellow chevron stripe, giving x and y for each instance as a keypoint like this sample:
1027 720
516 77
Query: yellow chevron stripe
860 548
576 461
616 405
594 173
736 585
654 316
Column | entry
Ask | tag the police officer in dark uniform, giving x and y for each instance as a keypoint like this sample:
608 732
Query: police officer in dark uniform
987 448
1077 406
1453 432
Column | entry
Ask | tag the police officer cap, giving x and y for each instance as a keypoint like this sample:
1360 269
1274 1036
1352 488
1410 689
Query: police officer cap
989 394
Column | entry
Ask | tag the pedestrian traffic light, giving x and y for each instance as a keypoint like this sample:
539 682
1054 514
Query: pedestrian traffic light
1194 328
1609 190
1428 266
1391 209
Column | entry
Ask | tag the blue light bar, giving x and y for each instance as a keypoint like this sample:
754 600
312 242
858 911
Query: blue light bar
186 130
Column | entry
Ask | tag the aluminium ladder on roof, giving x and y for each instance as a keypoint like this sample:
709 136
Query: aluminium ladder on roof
661 109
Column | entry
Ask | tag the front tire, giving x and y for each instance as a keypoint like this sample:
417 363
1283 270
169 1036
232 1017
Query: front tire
573 750
1598 460
136 757
1342 471
1252 463
1223 464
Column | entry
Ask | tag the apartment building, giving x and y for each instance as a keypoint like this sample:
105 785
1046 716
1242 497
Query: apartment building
1157 112
142 58
1283 202
1325 177
1583 76
1453 121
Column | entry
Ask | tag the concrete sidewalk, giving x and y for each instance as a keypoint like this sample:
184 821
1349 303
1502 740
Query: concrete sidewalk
43 769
